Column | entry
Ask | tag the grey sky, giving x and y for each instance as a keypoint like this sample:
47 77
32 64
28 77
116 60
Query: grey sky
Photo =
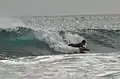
58 7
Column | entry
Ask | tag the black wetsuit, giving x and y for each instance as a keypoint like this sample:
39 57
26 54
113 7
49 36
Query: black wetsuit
80 46
76 45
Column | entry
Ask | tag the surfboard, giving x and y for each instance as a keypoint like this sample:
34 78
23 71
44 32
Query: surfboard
84 49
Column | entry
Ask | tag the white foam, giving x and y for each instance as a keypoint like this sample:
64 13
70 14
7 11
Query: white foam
69 66
73 38
108 73
35 60
15 61
56 41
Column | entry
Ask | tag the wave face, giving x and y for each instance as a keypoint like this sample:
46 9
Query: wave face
51 35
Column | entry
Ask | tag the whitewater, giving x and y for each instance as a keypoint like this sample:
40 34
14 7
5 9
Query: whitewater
37 47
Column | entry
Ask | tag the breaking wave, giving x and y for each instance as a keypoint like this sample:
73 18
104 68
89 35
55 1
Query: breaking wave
49 39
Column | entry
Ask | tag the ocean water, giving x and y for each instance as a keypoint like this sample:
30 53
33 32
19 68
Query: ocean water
37 47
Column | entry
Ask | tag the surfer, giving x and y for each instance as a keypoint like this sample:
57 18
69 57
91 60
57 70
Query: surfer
80 46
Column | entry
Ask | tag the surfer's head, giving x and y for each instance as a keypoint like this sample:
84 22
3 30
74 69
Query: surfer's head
83 42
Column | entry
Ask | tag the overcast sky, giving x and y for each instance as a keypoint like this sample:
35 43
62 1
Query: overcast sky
58 7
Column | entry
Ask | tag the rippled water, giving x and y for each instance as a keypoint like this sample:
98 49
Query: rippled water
37 47
68 66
